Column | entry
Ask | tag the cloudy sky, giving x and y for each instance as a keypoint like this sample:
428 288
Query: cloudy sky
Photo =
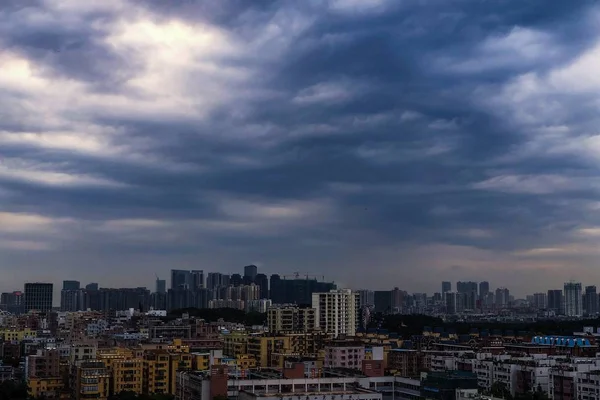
380 143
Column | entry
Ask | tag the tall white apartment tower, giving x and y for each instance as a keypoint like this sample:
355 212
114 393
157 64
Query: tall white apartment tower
573 300
337 311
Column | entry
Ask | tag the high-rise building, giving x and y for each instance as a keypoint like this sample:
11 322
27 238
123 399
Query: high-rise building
382 301
13 302
215 280
367 297
275 288
555 301
502 297
250 272
573 299
197 276
262 281
446 287
398 297
235 280
590 303
71 300
71 285
184 279
540 301
469 290
290 318
337 311
484 289
91 286
38 296
297 291
451 303
466 287
161 286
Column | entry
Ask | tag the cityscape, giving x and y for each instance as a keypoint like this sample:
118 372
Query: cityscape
299 200
250 290
246 335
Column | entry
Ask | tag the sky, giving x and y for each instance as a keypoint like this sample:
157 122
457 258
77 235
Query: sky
379 143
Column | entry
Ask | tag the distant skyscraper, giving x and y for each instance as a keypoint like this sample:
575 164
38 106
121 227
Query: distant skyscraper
451 303
180 279
484 289
235 280
275 288
590 303
502 297
382 300
466 287
161 286
469 290
367 297
446 287
71 285
250 271
71 300
13 302
91 286
197 279
398 300
262 281
555 300
215 280
540 301
573 299
38 296
184 279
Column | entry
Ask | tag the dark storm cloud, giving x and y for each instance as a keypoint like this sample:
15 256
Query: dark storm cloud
356 127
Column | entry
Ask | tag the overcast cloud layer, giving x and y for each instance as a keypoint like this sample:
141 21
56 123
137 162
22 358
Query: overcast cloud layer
378 142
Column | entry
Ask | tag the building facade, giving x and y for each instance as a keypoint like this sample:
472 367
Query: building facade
337 311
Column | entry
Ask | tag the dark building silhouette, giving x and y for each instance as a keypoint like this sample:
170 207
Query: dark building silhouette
215 280
297 291
13 302
263 282
484 289
590 300
446 286
555 300
38 296
71 285
161 286
91 286
184 279
383 301
250 272
235 280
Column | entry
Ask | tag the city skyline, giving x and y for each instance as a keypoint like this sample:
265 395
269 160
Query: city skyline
573 297
380 143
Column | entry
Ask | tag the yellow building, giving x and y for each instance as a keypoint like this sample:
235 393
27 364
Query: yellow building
91 379
263 347
235 343
10 335
178 346
128 375
148 369
45 387
201 361
157 371
245 361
